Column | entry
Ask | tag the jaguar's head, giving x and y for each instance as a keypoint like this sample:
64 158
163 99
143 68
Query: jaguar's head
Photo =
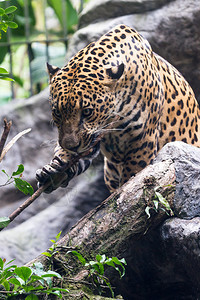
83 99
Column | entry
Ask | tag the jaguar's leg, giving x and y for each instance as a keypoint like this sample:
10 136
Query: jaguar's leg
112 175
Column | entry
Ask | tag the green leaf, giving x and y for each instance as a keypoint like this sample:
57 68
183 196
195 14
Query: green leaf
18 80
32 297
47 254
79 256
23 186
60 289
4 221
2 11
58 235
1 263
147 209
6 78
5 17
3 71
57 293
156 203
19 171
23 272
120 263
35 278
6 285
10 9
3 27
98 257
15 281
10 262
12 24
71 14
5 173
164 202
51 274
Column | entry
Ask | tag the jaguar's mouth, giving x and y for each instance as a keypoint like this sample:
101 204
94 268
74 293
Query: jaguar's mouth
93 146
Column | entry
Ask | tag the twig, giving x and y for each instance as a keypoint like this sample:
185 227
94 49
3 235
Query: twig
39 191
7 126
12 142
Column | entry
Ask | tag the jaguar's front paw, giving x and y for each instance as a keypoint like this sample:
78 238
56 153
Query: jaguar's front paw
53 175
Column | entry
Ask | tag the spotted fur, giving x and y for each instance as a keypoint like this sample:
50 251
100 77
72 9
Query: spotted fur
118 90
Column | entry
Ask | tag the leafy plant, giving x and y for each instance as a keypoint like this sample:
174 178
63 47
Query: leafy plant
157 201
96 268
4 74
52 249
61 7
6 18
6 21
20 184
29 281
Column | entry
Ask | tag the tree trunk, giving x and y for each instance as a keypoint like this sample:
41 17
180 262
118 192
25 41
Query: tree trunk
113 226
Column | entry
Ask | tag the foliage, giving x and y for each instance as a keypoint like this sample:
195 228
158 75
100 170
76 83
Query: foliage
159 202
6 21
29 281
52 249
71 17
19 20
97 268
4 74
6 18
20 184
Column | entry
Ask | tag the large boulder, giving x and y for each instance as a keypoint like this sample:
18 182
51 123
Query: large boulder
164 263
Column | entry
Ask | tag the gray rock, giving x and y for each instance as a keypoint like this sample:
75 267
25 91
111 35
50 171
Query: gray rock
164 264
186 159
180 241
100 10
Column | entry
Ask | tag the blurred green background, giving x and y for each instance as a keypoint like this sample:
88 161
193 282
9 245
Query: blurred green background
44 27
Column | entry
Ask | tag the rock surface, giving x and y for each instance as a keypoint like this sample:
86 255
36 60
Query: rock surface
187 165
164 264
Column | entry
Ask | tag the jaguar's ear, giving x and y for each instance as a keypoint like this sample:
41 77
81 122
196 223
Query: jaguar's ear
115 72
52 70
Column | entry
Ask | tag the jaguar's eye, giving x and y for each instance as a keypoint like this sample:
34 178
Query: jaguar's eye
56 114
87 112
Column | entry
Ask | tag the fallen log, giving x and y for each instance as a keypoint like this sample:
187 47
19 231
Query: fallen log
126 216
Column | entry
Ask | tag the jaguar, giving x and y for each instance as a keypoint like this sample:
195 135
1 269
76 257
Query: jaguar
119 97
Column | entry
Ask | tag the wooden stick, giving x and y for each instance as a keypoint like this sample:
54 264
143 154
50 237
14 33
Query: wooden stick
7 126
39 191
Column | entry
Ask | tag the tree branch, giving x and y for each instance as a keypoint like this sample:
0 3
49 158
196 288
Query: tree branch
7 126
38 192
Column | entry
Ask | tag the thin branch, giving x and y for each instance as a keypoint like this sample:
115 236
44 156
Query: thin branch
38 192
7 126
12 142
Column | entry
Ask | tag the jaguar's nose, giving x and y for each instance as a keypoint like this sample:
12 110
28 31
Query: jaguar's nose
74 149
